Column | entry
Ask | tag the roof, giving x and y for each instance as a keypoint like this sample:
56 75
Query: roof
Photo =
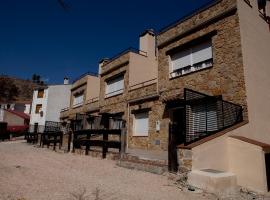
20 114
265 147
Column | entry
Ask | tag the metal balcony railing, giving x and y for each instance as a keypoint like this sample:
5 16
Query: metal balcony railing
206 115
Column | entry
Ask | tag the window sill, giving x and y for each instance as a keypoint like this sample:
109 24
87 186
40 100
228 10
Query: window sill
77 106
141 136
107 97
175 77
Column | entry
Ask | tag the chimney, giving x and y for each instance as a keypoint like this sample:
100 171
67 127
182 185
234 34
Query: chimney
66 81
101 63
148 43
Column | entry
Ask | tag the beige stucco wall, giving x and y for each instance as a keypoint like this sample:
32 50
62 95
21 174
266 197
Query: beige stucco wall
93 87
211 155
255 42
248 163
142 68
12 119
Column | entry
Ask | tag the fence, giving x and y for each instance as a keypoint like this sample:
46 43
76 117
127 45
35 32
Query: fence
206 115
86 122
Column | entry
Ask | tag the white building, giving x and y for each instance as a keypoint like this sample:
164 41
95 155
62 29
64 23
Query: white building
47 103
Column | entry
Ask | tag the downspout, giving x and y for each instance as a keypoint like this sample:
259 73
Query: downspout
127 126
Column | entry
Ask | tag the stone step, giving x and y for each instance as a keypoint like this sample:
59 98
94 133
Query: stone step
152 166
146 160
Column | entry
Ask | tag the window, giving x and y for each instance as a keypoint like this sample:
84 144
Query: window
78 100
38 108
40 93
192 59
141 124
115 86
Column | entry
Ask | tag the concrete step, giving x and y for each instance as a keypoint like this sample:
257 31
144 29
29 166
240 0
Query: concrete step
152 166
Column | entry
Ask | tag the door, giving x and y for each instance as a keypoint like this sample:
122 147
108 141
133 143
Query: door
35 127
176 137
267 167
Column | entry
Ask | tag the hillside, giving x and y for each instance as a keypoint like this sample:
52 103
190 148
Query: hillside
14 89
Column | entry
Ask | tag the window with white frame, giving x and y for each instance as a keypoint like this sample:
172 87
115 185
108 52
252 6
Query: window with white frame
78 100
115 86
140 127
192 59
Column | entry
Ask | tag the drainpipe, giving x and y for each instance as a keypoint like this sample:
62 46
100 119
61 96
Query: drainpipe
127 126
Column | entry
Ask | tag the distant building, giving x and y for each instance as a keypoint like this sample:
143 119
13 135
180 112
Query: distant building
20 106
47 103
16 121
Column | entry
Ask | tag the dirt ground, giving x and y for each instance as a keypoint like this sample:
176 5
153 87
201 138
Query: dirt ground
32 173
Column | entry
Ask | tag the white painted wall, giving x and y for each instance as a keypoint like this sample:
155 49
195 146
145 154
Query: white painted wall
56 97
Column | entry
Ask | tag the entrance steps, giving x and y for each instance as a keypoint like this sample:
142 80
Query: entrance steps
144 160
222 184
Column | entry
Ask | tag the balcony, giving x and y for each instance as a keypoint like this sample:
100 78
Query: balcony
204 115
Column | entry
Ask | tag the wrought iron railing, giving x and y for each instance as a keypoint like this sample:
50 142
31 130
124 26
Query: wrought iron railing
206 115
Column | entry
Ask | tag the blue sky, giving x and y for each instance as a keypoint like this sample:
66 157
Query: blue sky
38 36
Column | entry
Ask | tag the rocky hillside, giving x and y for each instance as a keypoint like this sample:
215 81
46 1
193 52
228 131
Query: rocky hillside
15 89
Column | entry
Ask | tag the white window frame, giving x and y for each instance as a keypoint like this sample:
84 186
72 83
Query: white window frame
136 117
114 92
193 67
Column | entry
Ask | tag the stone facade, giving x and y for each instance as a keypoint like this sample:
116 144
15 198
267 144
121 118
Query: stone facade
226 77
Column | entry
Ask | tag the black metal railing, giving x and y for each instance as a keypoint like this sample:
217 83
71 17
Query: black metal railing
100 122
206 115
50 126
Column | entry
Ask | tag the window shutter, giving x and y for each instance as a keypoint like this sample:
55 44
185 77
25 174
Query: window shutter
78 100
181 59
141 124
202 52
115 86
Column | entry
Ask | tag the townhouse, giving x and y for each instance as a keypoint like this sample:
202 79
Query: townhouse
194 95
84 98
213 80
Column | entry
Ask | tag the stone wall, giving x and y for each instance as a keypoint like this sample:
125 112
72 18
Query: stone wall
184 160
156 140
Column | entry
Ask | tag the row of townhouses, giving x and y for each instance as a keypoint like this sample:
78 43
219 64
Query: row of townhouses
195 94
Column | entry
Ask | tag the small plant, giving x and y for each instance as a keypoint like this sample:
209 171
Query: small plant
80 195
